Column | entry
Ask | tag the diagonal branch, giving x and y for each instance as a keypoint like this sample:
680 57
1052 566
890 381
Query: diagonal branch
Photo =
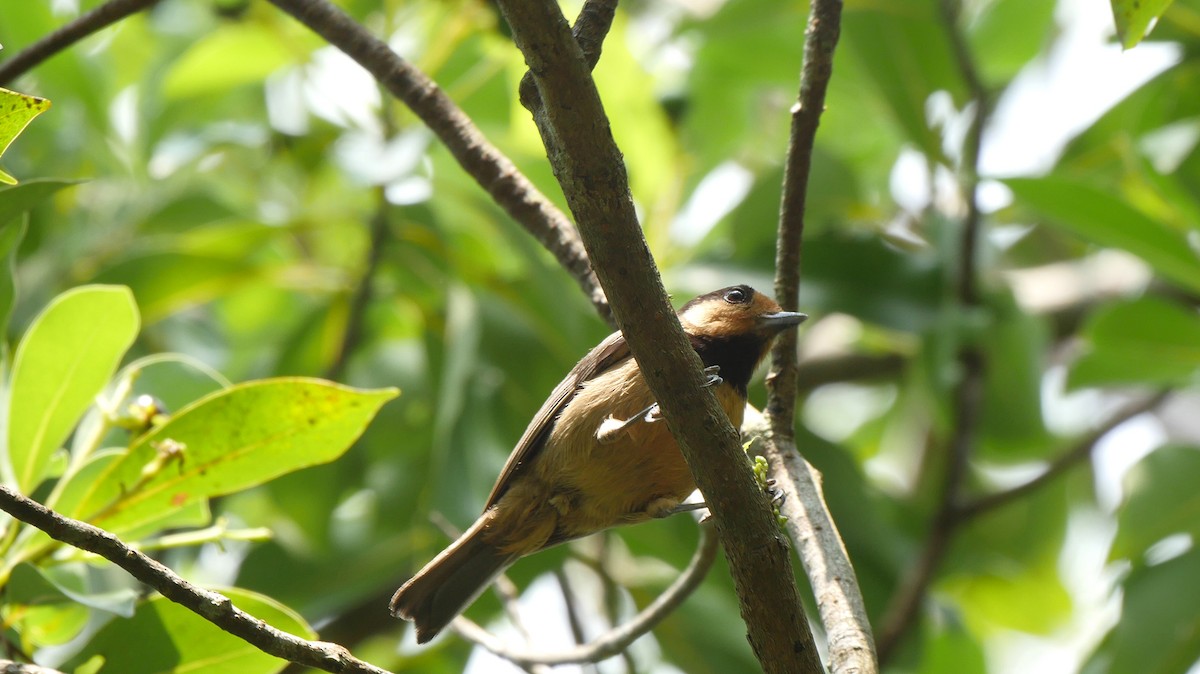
83 26
1079 451
616 640
494 172
211 606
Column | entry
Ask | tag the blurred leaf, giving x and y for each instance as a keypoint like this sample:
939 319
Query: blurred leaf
165 283
236 54
33 586
1161 499
16 111
171 638
65 358
1011 420
1148 340
951 650
228 441
867 279
10 241
910 58
1030 599
1103 218
1159 631
1008 34
17 199
1133 18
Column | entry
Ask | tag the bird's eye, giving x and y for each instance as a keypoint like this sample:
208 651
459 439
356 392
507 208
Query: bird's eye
736 296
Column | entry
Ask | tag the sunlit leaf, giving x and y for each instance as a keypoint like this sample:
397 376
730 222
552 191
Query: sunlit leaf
1103 218
171 638
66 357
1148 340
228 441
237 54
1133 18
1160 500
17 199
16 111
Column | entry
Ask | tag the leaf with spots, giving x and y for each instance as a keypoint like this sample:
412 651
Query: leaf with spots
1133 18
16 111
228 441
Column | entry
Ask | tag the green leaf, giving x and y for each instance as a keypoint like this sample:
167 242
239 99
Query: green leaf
909 56
228 441
1159 631
16 111
1144 341
1133 18
1011 423
67 356
1030 599
951 650
236 54
1101 217
1008 34
165 637
32 586
17 199
10 241
1161 499
165 283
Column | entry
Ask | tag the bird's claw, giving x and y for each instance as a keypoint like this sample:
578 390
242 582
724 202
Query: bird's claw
611 428
713 379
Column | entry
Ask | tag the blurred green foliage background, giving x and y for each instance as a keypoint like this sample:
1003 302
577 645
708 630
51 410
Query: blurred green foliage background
245 180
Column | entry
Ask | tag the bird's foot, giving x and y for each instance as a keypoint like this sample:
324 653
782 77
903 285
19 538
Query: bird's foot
712 373
611 428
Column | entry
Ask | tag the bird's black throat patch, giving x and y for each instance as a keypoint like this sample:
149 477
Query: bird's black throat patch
736 355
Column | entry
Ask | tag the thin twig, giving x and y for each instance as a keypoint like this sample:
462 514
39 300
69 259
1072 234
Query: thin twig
617 640
1079 451
591 171
574 620
213 607
904 607
83 26
10 667
820 547
822 553
494 172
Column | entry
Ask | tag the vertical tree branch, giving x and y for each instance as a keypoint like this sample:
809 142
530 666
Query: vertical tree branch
494 172
590 169
968 395
361 298
72 32
822 553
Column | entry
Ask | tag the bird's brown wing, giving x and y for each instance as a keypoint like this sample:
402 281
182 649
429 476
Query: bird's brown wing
610 352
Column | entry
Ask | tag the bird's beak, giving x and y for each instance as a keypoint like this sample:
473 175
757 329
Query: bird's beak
780 320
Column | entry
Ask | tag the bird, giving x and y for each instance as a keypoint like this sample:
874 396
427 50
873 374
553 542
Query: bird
596 455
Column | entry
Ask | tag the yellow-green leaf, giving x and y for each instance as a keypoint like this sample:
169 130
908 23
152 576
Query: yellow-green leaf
16 111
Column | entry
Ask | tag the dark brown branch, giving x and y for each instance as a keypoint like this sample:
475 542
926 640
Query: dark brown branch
10 667
591 26
1078 452
86 24
617 640
590 169
826 563
905 604
211 606
494 172
813 373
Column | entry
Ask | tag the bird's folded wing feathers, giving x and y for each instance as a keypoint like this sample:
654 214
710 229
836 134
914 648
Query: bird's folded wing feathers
612 351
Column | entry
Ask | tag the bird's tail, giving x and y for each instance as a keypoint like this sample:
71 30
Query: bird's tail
449 583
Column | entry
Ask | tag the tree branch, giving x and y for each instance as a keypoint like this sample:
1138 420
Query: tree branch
83 26
1079 451
361 298
494 172
211 606
822 553
968 395
10 667
617 640
590 169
